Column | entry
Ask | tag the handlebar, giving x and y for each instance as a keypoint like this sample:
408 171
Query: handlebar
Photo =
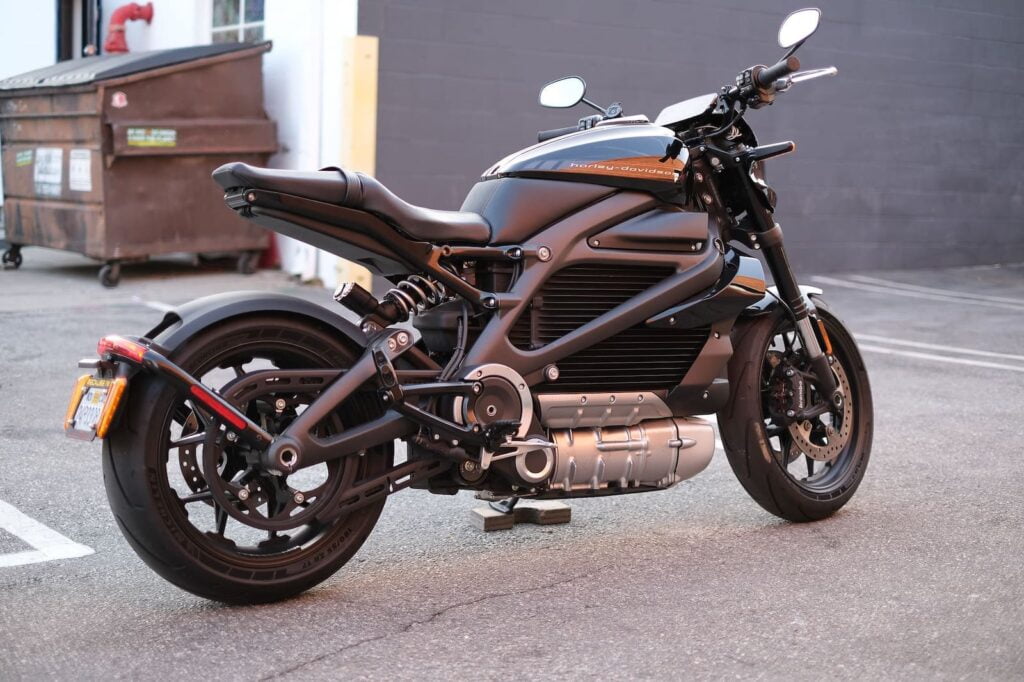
765 78
545 135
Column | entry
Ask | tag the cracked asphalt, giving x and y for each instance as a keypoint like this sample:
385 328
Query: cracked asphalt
920 576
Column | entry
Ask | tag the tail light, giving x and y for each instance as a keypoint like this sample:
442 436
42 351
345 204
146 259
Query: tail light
118 345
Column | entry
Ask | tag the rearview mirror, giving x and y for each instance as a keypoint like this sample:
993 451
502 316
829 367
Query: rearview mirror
563 93
798 27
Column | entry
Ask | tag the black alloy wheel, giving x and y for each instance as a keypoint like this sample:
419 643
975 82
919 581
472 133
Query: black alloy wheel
191 500
798 469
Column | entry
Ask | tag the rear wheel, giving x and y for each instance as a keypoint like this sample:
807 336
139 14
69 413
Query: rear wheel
251 536
798 469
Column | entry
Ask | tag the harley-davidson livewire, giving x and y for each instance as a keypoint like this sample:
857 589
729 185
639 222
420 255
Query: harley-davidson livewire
596 292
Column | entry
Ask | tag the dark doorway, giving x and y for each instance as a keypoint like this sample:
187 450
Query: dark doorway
78 28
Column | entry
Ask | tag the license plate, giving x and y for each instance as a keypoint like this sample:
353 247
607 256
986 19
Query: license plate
92 405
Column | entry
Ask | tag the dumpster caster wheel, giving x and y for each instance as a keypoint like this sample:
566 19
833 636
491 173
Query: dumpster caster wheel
110 275
248 262
12 257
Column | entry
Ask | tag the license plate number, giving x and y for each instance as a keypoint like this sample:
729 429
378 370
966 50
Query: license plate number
92 399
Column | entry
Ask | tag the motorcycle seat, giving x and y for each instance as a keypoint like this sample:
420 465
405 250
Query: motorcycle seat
359 191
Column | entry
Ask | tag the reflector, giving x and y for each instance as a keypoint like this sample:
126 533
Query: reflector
76 396
215 405
110 407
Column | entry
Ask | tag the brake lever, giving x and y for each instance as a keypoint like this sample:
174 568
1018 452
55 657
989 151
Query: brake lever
786 83
811 74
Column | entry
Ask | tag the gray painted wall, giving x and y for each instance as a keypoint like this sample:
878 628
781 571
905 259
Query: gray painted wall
909 158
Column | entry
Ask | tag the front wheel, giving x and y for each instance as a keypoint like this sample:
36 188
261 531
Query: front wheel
260 540
798 469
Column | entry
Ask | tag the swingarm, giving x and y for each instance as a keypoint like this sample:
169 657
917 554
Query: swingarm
298 446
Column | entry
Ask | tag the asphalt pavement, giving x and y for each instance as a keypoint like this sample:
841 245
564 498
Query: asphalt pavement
920 576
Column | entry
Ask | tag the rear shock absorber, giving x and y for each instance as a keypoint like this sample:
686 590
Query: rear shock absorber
407 298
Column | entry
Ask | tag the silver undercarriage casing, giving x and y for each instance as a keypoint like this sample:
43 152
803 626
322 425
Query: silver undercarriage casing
652 453
573 410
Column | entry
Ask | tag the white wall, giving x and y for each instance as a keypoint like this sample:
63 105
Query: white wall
28 30
28 35
303 76
303 82
176 23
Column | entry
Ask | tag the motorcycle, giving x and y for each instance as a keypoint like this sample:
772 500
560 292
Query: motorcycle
558 337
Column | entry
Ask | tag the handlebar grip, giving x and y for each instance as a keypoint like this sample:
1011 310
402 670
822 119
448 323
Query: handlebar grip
767 76
545 135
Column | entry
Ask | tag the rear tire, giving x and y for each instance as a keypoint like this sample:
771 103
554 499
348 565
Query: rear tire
765 472
162 529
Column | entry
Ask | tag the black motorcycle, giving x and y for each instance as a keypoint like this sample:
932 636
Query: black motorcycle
553 339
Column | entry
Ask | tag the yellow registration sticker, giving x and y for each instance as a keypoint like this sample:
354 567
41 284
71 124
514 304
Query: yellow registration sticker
93 405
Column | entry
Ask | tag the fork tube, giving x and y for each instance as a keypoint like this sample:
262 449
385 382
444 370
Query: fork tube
782 273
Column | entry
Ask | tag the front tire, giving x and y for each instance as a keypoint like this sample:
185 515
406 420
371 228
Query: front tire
763 452
155 488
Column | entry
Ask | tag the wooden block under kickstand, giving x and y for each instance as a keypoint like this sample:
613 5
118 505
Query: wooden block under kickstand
543 513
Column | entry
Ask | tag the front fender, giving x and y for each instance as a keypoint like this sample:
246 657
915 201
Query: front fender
771 300
186 321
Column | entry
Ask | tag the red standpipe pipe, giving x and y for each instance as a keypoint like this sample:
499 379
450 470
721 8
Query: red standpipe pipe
115 32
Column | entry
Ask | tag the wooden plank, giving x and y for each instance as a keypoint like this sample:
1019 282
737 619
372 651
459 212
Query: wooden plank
540 512
359 127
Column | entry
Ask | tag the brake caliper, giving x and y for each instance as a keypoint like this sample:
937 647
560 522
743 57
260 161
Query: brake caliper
787 389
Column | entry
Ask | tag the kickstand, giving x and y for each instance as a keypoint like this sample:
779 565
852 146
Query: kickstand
506 506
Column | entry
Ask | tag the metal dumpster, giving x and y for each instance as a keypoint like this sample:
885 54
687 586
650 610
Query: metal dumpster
111 156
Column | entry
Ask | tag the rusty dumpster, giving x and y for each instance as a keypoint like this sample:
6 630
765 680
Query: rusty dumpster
110 156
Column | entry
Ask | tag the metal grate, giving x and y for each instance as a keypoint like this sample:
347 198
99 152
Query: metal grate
637 358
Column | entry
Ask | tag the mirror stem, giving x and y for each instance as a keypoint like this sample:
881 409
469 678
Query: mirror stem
794 49
586 101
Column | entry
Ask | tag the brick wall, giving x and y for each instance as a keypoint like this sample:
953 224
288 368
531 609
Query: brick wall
908 158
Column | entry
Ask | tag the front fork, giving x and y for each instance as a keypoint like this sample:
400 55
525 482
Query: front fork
711 166
770 243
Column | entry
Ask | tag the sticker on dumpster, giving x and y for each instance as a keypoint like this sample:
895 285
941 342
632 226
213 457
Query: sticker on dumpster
152 137
48 171
80 170
23 158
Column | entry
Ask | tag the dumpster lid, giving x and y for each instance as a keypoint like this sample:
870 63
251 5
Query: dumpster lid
107 66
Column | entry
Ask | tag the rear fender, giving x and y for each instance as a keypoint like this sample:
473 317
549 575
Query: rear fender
184 322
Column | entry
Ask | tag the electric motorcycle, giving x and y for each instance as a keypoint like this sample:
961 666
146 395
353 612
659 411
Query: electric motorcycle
558 337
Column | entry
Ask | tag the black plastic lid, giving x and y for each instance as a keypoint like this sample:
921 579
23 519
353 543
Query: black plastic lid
107 66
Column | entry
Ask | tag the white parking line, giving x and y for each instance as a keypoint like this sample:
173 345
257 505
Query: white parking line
933 290
928 296
47 544
155 305
939 358
935 346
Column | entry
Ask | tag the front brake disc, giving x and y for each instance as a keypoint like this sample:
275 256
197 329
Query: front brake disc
834 436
